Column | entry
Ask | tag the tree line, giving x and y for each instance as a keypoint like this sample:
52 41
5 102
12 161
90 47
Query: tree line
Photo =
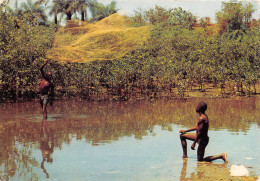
41 9
182 52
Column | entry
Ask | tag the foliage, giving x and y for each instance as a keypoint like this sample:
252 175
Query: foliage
160 15
182 17
172 58
71 7
56 8
28 12
138 19
100 11
21 49
34 12
234 16
82 8
204 22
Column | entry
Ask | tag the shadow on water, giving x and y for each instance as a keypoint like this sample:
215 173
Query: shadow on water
99 123
38 118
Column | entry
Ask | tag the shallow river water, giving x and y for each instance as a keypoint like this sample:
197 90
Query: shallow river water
126 140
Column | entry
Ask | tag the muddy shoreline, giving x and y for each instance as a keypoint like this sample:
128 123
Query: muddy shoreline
209 92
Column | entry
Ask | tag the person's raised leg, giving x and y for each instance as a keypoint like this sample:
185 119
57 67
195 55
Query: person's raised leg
222 156
184 137
41 103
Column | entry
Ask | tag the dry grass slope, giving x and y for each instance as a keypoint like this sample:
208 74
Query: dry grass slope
107 39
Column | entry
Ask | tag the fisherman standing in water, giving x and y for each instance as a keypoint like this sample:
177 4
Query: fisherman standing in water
46 89
201 136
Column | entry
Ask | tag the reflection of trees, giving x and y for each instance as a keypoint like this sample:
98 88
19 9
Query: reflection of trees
109 121
15 157
234 115
46 148
206 171
231 114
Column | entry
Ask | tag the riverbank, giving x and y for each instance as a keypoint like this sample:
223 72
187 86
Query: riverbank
216 92
134 94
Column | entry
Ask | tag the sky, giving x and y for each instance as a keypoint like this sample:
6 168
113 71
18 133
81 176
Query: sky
199 8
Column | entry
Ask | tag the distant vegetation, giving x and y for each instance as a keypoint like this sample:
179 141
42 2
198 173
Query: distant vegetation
179 52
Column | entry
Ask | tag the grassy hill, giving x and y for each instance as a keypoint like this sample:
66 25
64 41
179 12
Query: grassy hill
107 39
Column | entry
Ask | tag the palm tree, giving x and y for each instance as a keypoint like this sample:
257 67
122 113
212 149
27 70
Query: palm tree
82 8
69 8
34 12
56 8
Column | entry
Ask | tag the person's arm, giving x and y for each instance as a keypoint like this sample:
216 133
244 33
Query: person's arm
199 128
43 65
188 130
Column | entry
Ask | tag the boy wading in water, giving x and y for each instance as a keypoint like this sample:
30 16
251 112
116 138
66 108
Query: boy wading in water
201 136
45 87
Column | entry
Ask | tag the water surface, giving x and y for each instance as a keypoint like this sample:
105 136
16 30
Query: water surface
125 140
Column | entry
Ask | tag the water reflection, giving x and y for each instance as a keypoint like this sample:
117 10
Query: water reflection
99 123
46 146
206 171
209 171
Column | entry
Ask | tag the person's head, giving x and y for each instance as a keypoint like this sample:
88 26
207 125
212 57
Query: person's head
201 107
49 74
49 160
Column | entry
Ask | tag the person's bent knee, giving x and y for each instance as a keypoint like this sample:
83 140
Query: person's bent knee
182 137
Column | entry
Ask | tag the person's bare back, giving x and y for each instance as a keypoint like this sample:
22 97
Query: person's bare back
44 86
202 128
